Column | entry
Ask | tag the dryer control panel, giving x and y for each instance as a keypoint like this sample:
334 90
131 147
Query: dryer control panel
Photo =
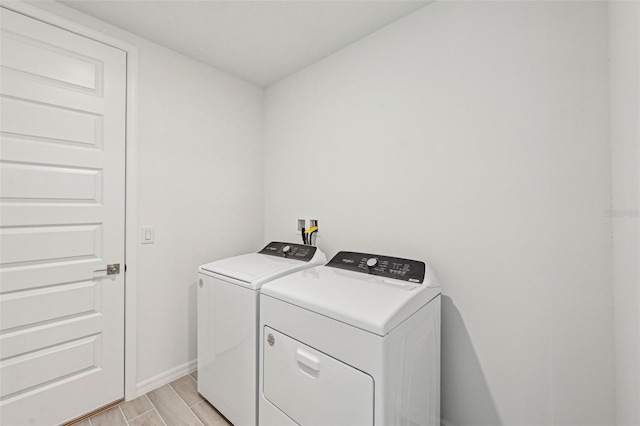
384 266
289 250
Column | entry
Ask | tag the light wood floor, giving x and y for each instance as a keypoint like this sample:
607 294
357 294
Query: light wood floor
175 404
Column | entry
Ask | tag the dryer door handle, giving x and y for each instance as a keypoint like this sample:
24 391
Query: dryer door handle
309 361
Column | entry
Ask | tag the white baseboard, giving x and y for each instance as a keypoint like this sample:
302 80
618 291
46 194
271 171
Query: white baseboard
167 377
445 423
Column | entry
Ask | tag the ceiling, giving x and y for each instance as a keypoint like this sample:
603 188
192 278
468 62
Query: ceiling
260 41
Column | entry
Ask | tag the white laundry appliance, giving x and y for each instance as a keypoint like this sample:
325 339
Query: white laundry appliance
355 342
228 315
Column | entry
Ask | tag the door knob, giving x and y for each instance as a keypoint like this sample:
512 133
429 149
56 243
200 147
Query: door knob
112 269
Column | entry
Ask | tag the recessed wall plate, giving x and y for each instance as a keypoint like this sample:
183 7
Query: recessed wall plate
306 222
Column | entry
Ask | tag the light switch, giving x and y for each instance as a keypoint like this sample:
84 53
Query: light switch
148 235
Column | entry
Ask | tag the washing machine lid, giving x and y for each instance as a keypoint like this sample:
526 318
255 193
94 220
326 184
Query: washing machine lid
275 260
375 303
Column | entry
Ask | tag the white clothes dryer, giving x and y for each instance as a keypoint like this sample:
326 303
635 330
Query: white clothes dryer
355 342
228 306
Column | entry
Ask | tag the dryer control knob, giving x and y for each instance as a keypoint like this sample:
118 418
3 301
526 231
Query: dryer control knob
286 250
372 262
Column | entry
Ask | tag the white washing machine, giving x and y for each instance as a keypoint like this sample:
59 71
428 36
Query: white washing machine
228 315
355 342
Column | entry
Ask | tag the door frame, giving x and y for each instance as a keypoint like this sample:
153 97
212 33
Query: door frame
131 199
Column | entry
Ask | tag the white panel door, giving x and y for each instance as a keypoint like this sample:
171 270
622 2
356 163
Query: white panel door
62 192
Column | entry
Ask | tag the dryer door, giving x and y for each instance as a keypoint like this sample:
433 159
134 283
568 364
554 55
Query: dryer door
313 388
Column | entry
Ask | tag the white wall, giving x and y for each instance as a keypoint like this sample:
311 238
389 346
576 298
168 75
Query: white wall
473 135
200 169
624 45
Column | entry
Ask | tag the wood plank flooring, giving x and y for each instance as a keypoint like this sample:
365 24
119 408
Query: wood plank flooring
175 404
